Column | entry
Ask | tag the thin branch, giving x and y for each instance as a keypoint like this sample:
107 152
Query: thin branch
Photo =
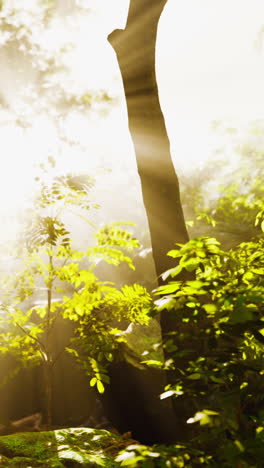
41 345
83 217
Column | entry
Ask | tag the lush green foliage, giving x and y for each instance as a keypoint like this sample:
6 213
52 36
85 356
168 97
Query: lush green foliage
217 357
59 282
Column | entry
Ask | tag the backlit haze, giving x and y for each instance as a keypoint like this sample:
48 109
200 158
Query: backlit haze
210 67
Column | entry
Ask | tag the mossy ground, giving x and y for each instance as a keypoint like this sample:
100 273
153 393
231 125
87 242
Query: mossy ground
64 448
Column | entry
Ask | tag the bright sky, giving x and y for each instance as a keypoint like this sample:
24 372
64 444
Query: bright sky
210 66
212 69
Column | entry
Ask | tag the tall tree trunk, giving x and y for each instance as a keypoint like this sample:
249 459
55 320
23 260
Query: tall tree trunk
135 48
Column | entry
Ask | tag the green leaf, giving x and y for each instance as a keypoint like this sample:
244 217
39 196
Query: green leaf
174 253
171 272
93 381
258 271
153 363
248 277
194 376
192 305
239 445
170 393
210 308
100 386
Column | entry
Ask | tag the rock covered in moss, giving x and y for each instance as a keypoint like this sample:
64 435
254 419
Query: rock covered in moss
74 447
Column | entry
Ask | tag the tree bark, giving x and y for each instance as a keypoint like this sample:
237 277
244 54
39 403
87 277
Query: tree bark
135 48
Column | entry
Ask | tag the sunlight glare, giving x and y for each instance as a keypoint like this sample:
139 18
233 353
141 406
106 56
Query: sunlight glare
206 75
203 75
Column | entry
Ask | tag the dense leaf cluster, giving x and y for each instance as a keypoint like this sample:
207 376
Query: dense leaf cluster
217 357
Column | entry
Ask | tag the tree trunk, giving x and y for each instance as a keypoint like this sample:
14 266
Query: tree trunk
48 391
135 49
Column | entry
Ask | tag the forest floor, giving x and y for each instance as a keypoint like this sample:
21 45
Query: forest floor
63 448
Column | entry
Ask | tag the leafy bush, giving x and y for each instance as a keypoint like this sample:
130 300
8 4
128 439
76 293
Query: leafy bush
219 336
217 357
59 282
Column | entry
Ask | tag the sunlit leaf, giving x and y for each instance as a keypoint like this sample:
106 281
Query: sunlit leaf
100 386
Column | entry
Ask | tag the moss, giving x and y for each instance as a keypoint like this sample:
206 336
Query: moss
32 444
28 462
58 449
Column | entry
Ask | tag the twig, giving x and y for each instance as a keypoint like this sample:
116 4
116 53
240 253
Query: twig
41 345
